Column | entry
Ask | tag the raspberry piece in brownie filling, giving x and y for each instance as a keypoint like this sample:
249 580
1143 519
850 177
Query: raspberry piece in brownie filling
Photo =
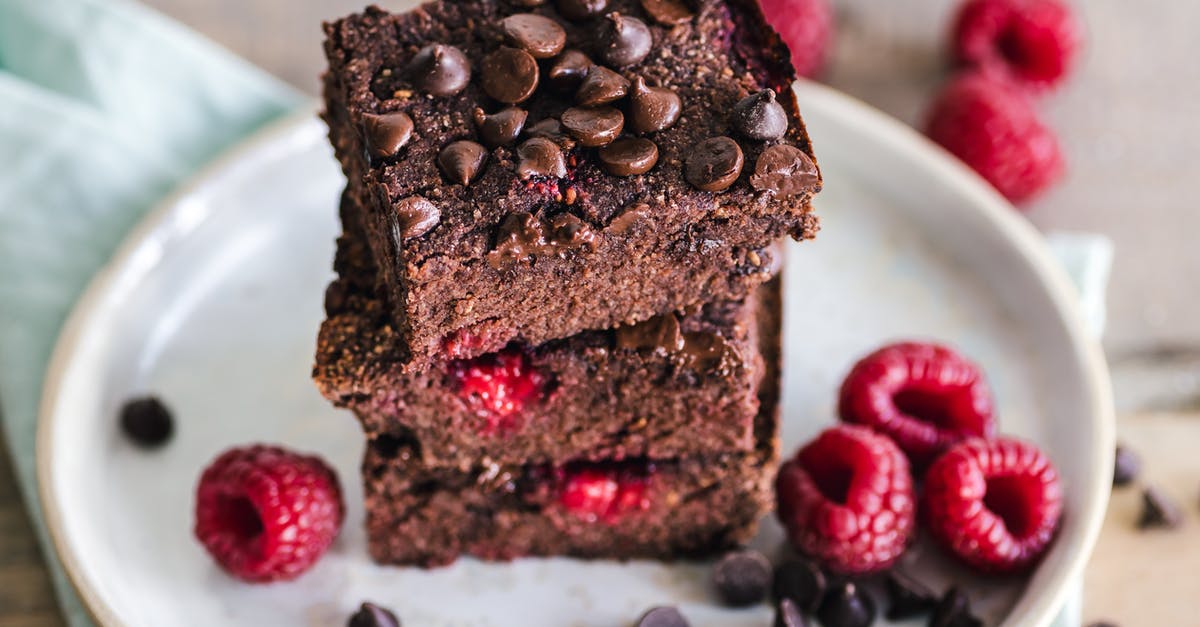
498 386
605 493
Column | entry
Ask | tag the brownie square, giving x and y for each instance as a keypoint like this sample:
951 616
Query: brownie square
552 235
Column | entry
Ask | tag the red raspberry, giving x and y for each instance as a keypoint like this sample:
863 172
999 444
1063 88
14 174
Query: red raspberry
267 514
807 28
498 386
995 504
1032 42
847 500
923 396
993 128
595 493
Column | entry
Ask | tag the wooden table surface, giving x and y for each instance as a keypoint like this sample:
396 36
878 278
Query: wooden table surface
1129 126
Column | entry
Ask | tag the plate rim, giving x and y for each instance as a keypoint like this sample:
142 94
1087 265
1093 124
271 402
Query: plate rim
852 113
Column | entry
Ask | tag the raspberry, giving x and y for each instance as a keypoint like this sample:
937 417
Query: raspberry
993 129
605 493
498 386
267 514
1032 42
846 499
807 28
923 396
995 504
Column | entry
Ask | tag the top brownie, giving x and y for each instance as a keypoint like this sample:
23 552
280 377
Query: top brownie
531 169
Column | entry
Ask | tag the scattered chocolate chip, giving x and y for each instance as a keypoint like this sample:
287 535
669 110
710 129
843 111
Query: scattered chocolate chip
568 232
846 606
440 70
1158 511
742 577
801 581
760 116
415 216
601 86
462 161
581 9
540 157
371 615
387 133
1126 466
509 75
652 109
147 422
502 127
593 126
662 617
623 40
908 597
538 35
787 614
629 156
785 171
667 12
550 128
954 610
714 164
629 218
519 236
568 70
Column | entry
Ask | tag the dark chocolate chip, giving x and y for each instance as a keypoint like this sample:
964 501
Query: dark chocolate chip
954 610
1158 511
623 40
847 606
387 133
462 161
581 9
652 109
540 157
662 617
509 75
760 116
568 70
538 35
714 164
519 236
371 615
629 156
502 127
569 232
415 216
785 171
660 333
593 126
742 577
440 70
147 422
801 581
1126 466
908 597
667 12
629 218
787 614
601 86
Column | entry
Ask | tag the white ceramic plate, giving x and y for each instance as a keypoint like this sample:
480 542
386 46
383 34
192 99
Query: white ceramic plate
214 304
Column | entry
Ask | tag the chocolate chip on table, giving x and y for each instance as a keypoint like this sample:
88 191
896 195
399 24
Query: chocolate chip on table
593 126
1126 466
629 156
785 171
908 597
416 216
538 35
601 86
742 577
1102 623
954 610
652 109
371 615
667 12
759 116
714 164
581 9
846 605
502 127
568 69
801 581
440 70
662 617
540 157
386 133
1158 511
623 40
462 161
788 614
147 422
509 75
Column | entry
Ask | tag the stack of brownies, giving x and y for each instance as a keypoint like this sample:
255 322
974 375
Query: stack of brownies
557 315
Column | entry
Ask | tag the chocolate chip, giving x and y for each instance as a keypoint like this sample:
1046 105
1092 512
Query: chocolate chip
371 615
742 577
462 161
714 164
538 35
415 216
540 157
787 614
760 117
568 70
569 232
667 12
660 333
629 156
1102 623
662 617
593 126
387 133
509 75
907 597
147 422
601 86
784 171
629 218
1158 511
519 236
954 610
440 70
801 581
623 40
1126 466
502 127
652 109
847 606
581 9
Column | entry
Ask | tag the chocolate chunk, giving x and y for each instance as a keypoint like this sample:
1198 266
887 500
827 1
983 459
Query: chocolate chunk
846 606
801 581
760 117
1126 466
415 216
568 70
706 352
568 232
623 40
785 171
660 333
462 161
662 617
518 237
629 156
387 133
714 164
371 615
581 9
540 157
954 610
440 70
787 614
601 86
502 127
652 109
907 597
742 577
593 126
1158 511
147 422
509 75
667 12
538 35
